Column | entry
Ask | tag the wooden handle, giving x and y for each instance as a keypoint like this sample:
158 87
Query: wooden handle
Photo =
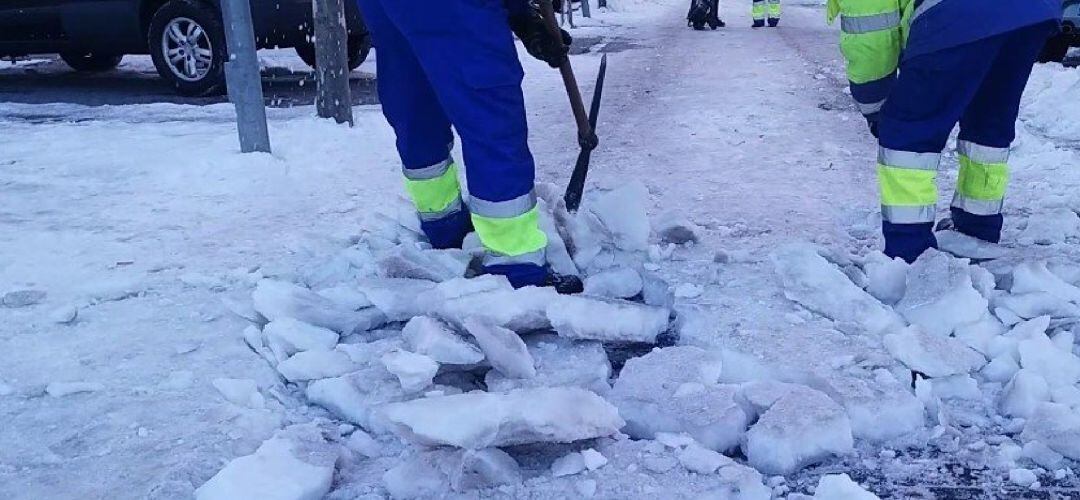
585 132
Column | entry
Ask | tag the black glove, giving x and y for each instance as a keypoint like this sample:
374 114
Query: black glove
539 42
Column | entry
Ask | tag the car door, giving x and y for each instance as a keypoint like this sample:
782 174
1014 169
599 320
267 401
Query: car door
30 25
103 25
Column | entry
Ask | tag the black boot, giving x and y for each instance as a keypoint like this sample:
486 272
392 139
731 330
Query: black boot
773 22
758 23
564 284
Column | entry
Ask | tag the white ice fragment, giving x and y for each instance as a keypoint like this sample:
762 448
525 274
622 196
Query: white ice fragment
655 397
962 245
1000 369
1035 304
484 469
617 283
355 397
586 488
739 482
1024 393
278 300
481 420
61 389
932 355
279 470
312 365
414 371
241 392
802 427
1038 354
491 300
673 440
980 334
940 294
841 487
886 278
688 291
591 318
568 465
287 336
1042 455
560 362
64 315
346 296
408 261
423 476
1022 477
673 227
396 298
431 337
503 348
657 292
620 216
593 459
1051 228
701 460
361 442
1032 277
880 409
1066 395
957 387
820 286
1057 426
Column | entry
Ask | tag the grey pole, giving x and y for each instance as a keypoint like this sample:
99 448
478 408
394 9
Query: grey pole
586 8
243 78
334 97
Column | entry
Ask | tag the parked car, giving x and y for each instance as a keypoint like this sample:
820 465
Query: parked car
185 38
1057 47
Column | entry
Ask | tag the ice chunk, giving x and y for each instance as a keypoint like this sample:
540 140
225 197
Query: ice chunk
1057 426
558 256
1038 354
568 465
673 227
688 291
1035 277
1022 477
407 261
241 392
279 470
701 460
962 245
886 278
414 371
560 362
312 365
433 338
361 442
1000 369
422 476
593 459
956 387
815 283
620 215
484 469
617 283
802 427
739 482
940 295
1035 304
841 487
346 296
396 297
287 336
590 318
1042 455
657 292
932 355
675 390
1024 393
61 389
980 334
278 299
520 310
880 409
481 420
356 397
503 348
64 315
1050 228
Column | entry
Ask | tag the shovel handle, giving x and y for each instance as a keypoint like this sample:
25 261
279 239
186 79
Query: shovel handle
585 131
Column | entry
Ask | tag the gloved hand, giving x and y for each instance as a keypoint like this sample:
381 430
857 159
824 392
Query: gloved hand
539 42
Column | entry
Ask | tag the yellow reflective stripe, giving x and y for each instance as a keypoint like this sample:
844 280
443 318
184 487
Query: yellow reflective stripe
758 9
982 181
436 194
511 236
774 8
906 186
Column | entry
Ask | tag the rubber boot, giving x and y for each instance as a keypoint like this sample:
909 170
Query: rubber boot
758 23
774 21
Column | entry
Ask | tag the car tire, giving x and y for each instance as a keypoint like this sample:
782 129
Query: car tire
91 62
1055 50
359 48
187 43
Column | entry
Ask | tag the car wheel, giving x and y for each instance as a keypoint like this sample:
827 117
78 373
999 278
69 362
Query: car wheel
1055 49
80 61
187 43
359 48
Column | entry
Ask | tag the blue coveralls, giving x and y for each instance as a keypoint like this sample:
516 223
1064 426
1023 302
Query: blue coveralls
966 61
444 63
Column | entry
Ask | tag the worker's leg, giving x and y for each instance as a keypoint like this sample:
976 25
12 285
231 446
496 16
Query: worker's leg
774 12
987 129
467 51
931 93
423 132
758 11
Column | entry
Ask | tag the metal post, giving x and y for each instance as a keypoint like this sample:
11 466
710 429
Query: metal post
569 8
243 78
334 97
586 8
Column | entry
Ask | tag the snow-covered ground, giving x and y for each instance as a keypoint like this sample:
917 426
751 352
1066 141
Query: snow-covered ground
178 317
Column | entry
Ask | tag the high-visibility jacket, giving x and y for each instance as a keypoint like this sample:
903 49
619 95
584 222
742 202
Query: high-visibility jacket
875 34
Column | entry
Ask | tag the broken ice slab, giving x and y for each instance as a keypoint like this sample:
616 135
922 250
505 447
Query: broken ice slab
432 473
801 427
281 469
481 420
279 300
841 487
1051 228
312 365
503 348
1032 277
560 362
1035 304
492 300
941 295
1056 426
880 409
287 336
675 390
620 216
820 286
933 355
408 261
356 396
606 320
967 247
414 371
395 297
617 283
431 337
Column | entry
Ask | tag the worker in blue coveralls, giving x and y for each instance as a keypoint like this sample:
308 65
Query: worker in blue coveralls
453 63
917 67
